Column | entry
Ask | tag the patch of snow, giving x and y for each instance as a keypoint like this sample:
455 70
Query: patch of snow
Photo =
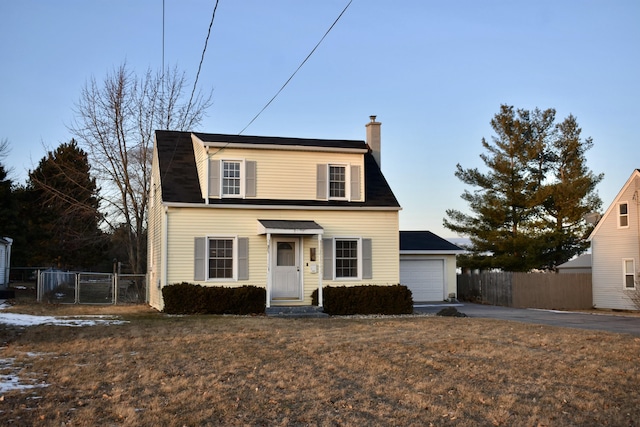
16 319
10 382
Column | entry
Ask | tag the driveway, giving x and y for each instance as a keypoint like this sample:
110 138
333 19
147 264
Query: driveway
566 319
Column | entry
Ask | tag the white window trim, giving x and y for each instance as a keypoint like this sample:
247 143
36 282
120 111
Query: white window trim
234 272
619 215
347 181
625 274
242 179
359 276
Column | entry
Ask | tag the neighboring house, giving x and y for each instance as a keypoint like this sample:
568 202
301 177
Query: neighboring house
580 264
287 214
428 265
615 251
5 260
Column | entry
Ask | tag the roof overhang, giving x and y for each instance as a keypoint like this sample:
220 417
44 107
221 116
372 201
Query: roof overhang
280 207
276 146
430 252
277 226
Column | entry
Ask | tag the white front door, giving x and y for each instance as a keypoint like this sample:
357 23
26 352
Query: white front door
286 269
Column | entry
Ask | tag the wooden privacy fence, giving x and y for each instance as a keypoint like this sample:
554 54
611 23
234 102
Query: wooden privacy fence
528 290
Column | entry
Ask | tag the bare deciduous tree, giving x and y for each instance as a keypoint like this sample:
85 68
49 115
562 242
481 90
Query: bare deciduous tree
115 122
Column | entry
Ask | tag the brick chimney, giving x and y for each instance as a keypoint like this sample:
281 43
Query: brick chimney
373 138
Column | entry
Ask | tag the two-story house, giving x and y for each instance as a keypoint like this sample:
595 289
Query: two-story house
615 251
288 214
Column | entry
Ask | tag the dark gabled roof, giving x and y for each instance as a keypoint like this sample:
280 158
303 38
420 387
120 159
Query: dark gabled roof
275 140
425 241
177 163
180 183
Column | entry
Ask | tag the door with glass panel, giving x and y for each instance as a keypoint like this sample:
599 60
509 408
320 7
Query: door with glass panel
286 269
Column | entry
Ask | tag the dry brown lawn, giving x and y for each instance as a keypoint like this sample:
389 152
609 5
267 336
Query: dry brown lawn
346 371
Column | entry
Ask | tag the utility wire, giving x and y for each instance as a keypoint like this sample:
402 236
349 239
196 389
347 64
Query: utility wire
297 69
206 41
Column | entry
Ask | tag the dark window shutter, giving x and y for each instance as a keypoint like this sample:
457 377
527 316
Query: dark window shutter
367 262
250 179
214 178
355 182
327 255
199 259
321 182
243 258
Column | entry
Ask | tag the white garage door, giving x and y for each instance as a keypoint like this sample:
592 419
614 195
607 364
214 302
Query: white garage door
425 278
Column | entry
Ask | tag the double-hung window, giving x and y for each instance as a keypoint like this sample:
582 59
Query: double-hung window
346 258
220 259
337 182
629 273
623 215
231 178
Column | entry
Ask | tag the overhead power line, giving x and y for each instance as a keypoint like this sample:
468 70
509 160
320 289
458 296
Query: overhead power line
297 69
206 41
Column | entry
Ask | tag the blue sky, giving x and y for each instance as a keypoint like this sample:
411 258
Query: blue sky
434 72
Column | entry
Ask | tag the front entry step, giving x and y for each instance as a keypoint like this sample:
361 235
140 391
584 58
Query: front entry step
306 311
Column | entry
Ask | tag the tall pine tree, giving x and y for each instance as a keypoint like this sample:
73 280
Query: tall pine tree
528 208
568 196
65 210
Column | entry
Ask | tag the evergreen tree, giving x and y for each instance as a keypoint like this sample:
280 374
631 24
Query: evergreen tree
8 208
64 202
7 205
527 210
569 196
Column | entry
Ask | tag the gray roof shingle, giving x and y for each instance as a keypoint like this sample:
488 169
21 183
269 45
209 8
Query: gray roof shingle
425 241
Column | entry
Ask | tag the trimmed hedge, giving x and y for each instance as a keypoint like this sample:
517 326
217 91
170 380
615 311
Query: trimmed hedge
187 298
368 299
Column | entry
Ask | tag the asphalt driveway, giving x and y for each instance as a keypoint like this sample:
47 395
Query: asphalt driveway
567 319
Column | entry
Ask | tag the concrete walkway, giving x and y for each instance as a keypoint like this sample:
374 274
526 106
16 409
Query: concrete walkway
567 319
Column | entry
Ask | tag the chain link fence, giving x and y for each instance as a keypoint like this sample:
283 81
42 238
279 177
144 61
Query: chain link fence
91 288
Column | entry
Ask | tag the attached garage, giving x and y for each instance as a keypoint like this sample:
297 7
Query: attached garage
425 278
428 265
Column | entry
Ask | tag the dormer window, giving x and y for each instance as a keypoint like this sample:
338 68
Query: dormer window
231 178
337 182
623 215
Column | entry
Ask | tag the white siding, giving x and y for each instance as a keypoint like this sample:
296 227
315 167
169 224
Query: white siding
609 246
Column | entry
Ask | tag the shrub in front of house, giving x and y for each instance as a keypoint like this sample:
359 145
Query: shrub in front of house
188 298
368 299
